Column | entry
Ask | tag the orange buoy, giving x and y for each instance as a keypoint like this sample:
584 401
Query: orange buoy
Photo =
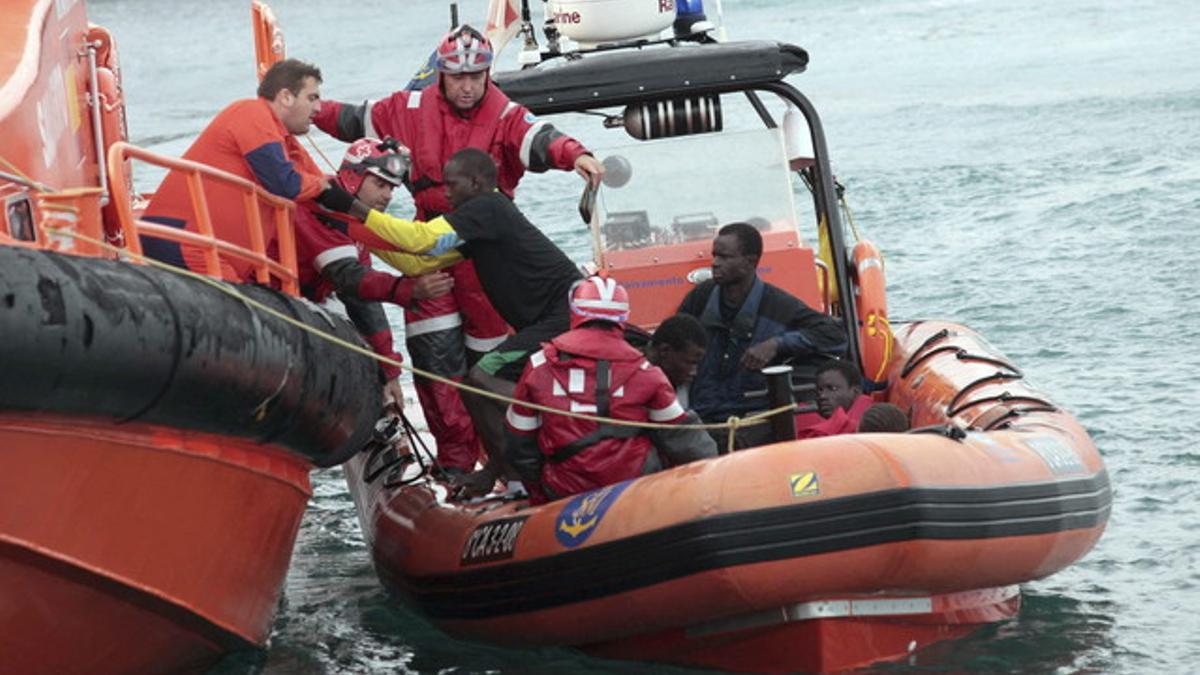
113 126
874 330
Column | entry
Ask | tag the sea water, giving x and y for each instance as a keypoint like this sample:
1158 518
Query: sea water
1029 168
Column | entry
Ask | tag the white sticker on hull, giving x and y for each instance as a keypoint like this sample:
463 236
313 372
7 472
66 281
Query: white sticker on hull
52 115
1060 457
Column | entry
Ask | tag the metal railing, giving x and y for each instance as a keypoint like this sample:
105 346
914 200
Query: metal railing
265 267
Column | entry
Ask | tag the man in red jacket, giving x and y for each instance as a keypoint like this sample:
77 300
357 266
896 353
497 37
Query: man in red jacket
592 369
255 139
329 261
840 402
464 109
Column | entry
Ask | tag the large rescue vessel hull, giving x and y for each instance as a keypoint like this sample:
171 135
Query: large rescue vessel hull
154 461
156 431
136 548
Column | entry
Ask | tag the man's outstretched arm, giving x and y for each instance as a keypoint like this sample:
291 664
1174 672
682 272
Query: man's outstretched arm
435 237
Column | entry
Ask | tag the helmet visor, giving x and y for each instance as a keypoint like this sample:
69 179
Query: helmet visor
391 167
464 60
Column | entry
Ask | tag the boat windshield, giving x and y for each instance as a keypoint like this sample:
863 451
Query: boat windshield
681 189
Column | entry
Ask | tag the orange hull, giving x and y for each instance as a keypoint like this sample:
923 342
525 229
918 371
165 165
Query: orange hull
156 434
139 549
47 131
822 554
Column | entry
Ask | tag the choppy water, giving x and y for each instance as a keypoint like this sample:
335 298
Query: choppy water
1031 169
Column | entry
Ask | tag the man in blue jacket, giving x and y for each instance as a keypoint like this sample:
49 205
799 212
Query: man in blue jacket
750 324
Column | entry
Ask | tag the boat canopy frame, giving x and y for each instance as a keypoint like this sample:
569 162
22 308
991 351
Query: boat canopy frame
636 76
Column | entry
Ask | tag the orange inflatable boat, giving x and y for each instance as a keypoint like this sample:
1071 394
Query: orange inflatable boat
811 555
156 434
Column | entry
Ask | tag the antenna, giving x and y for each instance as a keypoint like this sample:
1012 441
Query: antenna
530 53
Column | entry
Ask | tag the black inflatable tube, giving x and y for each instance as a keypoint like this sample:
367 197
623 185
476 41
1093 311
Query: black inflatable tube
107 339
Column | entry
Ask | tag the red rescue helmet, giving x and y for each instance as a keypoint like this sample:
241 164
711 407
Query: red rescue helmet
598 298
464 50
387 159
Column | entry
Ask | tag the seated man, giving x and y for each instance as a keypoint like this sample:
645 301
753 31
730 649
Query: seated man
750 324
883 418
677 347
330 262
525 275
592 369
840 402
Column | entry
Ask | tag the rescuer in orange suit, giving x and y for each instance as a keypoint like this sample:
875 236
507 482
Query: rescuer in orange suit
329 261
592 369
256 140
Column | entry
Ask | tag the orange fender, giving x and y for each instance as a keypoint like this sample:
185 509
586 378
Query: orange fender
874 330
268 38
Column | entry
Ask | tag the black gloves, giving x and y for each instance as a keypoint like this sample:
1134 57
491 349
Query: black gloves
335 198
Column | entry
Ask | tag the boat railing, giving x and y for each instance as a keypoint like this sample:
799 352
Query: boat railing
280 211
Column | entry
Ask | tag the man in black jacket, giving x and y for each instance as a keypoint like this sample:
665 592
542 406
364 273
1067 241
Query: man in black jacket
750 324
525 275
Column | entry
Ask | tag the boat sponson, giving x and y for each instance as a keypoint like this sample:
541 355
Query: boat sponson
635 76
780 533
110 340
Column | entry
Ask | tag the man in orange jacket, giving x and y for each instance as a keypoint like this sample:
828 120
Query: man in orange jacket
256 140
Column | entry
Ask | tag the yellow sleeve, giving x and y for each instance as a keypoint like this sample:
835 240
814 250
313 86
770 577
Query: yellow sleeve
413 236
411 264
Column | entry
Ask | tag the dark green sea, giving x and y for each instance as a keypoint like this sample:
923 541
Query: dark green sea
1029 168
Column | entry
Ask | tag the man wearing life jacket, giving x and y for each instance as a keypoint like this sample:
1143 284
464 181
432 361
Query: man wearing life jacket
526 276
256 140
751 324
465 109
329 261
592 369
840 402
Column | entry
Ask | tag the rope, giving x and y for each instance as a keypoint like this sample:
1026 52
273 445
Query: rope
224 287
321 153
850 219
22 177
889 339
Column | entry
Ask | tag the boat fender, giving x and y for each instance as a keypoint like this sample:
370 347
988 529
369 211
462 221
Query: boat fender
113 127
103 339
875 331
